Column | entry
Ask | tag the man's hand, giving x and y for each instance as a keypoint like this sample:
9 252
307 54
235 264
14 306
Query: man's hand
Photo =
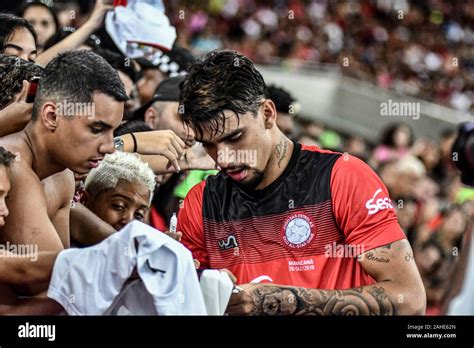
196 158
262 299
175 235
161 142
398 291
16 115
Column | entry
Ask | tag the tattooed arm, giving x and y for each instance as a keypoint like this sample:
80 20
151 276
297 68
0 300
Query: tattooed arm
398 291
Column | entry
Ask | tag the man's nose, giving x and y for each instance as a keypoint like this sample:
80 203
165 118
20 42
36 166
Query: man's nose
127 217
24 56
3 209
108 146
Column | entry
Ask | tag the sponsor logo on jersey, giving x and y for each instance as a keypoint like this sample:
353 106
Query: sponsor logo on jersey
374 205
229 243
298 231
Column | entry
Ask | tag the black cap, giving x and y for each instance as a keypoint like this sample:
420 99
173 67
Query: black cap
167 90
284 101
170 63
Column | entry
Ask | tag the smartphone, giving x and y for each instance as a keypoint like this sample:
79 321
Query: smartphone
30 98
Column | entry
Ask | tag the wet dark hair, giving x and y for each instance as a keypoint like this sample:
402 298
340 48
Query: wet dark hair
388 133
8 24
223 80
75 76
6 157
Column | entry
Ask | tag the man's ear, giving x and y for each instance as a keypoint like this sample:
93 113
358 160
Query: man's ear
269 113
150 117
49 115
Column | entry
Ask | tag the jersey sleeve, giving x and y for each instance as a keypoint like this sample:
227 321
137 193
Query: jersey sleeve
361 204
190 224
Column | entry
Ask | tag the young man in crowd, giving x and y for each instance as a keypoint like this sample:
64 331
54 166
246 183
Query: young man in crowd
21 269
58 139
120 189
161 112
279 213
78 105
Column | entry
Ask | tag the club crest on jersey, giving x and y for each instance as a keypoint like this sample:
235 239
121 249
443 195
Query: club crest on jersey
229 243
297 231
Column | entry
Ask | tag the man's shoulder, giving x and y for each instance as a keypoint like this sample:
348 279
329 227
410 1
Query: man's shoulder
21 171
61 179
59 188
16 144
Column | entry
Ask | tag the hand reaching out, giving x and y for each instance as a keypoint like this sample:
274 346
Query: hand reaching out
101 7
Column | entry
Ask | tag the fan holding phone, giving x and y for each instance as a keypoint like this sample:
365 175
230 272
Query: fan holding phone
19 80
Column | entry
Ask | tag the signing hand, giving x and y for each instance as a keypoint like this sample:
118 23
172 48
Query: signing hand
262 299
161 142
175 235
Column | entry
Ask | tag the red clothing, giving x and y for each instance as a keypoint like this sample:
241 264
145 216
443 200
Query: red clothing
337 207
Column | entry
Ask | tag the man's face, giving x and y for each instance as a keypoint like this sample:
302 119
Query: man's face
147 84
42 21
118 206
244 148
21 44
4 189
165 116
80 142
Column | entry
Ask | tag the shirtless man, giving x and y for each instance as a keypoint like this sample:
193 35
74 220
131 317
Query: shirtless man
18 269
59 140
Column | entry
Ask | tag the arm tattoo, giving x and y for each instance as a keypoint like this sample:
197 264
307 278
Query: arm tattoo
280 150
280 300
381 259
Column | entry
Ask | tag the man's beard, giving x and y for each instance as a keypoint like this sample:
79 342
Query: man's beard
252 183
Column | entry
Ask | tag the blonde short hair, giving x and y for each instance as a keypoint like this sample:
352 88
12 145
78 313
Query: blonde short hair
120 166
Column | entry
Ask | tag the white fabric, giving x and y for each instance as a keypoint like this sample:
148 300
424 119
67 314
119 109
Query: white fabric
216 287
141 22
463 304
88 281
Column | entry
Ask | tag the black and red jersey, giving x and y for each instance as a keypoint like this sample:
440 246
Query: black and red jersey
305 229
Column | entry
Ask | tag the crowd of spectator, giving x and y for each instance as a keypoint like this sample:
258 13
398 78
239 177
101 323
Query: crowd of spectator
422 48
